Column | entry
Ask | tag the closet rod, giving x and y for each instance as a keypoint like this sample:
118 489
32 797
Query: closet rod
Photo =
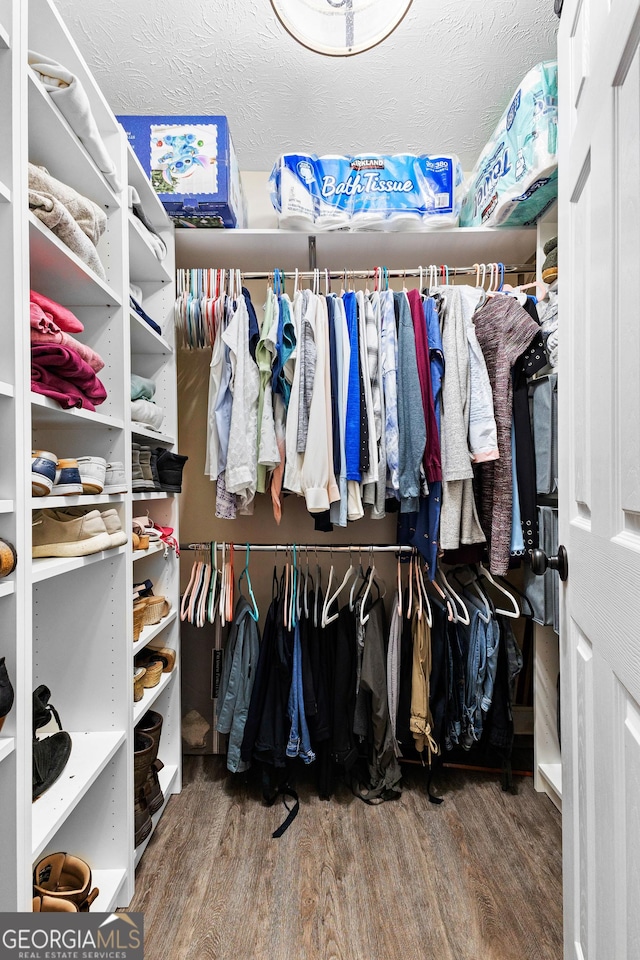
307 547
369 274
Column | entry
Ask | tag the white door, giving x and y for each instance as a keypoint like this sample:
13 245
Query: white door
599 259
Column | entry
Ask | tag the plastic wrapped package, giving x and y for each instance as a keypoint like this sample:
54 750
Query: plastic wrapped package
516 176
367 192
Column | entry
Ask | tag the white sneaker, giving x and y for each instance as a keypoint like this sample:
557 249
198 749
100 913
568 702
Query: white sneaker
115 479
92 473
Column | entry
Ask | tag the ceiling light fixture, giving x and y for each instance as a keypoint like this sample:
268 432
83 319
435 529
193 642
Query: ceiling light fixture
340 28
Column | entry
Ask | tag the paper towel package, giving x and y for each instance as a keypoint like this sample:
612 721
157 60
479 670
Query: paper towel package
367 191
516 177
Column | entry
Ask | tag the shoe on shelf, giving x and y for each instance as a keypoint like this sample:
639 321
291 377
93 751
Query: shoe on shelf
154 609
111 520
8 558
170 466
139 607
6 692
145 466
151 725
142 753
50 756
65 879
138 483
67 481
115 480
167 655
138 683
153 667
144 589
52 905
58 534
92 474
43 472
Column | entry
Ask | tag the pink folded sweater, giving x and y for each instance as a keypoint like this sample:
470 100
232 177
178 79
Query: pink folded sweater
44 330
63 317
59 372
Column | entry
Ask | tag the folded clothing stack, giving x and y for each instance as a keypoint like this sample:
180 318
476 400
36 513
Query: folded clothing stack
76 220
69 96
144 411
62 367
152 236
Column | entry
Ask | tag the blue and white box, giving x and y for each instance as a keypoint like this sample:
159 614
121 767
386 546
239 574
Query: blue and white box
192 166
516 177
367 191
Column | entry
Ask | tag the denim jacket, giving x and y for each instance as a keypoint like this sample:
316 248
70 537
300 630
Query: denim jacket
238 673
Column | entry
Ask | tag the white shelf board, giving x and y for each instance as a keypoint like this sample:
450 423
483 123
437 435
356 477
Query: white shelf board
261 250
7 746
152 435
54 145
153 548
90 754
58 271
109 883
144 266
155 495
46 410
150 633
552 773
47 567
151 694
145 340
77 500
5 42
7 587
5 193
148 197
6 389
167 777
6 506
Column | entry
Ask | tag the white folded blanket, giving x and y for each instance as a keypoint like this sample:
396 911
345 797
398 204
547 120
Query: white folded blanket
70 98
147 414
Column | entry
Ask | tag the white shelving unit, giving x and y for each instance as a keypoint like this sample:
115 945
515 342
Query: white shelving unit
67 623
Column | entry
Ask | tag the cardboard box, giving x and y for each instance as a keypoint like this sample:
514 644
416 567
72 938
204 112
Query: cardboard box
192 166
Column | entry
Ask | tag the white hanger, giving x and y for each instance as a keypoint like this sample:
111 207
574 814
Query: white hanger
461 610
360 575
514 612
325 618
211 602
424 594
481 595
399 576
372 573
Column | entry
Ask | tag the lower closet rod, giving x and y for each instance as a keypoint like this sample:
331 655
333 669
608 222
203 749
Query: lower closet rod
315 547
369 274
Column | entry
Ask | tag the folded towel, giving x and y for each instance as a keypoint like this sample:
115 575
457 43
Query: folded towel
142 388
153 237
57 218
147 319
61 317
69 96
91 218
53 336
59 372
147 413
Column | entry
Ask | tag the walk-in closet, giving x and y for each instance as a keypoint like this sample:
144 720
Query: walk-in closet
319 618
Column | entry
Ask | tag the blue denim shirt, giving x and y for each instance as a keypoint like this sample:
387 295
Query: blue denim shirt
238 672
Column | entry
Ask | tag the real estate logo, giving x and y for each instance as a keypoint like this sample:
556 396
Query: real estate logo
71 936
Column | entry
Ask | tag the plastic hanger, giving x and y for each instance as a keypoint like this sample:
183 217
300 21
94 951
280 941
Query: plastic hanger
473 583
211 599
329 600
230 584
514 612
360 575
203 597
370 580
254 612
399 585
423 593
316 596
186 596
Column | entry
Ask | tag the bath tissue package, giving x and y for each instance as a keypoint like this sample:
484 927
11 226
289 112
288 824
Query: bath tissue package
367 191
516 176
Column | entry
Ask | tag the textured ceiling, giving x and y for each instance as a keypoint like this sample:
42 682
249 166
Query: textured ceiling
438 84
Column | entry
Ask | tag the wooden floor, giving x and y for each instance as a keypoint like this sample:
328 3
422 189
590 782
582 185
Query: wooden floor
476 878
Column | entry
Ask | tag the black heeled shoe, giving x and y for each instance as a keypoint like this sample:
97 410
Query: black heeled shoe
6 692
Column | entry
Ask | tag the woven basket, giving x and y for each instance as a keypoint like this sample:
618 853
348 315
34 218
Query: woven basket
138 684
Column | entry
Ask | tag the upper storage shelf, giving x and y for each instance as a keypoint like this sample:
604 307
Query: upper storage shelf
262 250
54 145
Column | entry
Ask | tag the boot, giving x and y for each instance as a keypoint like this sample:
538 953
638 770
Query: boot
65 879
138 482
50 755
145 466
151 724
142 750
6 692
170 466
